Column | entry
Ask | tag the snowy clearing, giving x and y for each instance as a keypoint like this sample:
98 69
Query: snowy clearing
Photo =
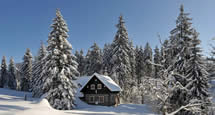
12 103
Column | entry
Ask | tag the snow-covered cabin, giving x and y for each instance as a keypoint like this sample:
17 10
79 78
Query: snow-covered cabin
98 90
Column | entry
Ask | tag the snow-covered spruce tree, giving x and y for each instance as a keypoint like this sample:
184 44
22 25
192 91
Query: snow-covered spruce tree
94 60
157 60
26 71
132 61
133 84
139 69
162 90
211 62
211 70
4 73
106 66
39 63
87 62
179 48
12 80
120 60
196 74
139 64
81 61
165 54
210 67
147 56
19 75
60 69
180 39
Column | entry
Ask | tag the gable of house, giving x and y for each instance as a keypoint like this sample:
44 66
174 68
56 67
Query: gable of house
95 86
106 82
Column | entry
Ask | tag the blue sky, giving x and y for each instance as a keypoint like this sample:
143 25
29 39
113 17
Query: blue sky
24 23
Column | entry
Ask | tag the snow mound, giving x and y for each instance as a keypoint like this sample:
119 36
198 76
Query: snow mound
44 103
40 108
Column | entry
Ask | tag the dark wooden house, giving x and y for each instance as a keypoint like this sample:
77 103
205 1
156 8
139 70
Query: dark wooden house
99 90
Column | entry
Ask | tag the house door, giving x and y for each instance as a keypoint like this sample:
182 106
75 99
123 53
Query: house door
96 100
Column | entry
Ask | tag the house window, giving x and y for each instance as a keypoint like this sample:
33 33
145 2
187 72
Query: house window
99 86
92 86
91 99
101 99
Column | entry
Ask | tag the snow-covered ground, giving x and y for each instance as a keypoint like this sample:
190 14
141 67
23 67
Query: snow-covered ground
12 103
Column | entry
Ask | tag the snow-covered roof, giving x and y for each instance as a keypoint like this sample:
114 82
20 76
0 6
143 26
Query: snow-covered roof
107 81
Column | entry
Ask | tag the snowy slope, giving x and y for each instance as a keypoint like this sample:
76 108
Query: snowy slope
12 103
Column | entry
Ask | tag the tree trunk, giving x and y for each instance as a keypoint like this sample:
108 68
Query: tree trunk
164 110
142 99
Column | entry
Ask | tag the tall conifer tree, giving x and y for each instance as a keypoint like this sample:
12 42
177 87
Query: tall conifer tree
179 48
4 72
106 65
81 61
26 71
12 81
139 64
120 60
60 69
196 73
94 60
147 56
39 63
157 60
132 60
180 39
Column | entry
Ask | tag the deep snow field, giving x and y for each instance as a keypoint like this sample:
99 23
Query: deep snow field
13 103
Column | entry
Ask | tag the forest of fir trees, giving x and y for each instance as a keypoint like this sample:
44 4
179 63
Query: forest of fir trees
173 77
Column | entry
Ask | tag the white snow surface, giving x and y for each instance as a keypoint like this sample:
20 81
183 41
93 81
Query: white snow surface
12 103
106 80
